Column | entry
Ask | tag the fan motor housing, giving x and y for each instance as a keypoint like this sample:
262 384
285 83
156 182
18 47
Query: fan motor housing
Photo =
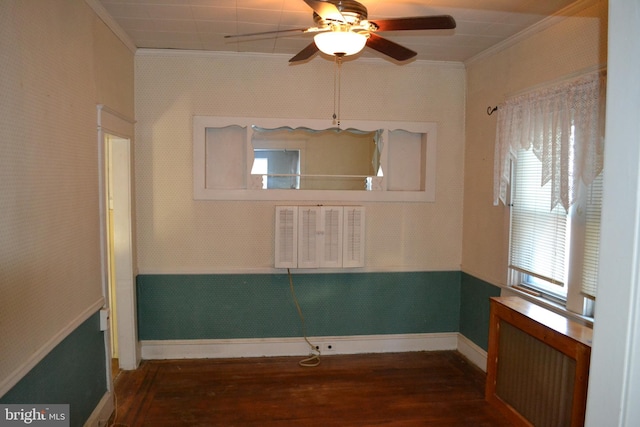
353 12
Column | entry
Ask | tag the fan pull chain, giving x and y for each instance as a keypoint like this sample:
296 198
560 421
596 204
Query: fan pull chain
336 89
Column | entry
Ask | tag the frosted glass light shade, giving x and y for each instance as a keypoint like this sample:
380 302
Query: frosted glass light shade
340 43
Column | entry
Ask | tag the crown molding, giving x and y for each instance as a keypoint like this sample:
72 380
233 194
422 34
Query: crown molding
102 13
146 52
567 12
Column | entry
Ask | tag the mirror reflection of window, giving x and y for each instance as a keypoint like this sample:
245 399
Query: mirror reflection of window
279 168
329 159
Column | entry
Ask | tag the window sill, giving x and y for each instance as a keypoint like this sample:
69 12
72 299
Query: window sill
550 305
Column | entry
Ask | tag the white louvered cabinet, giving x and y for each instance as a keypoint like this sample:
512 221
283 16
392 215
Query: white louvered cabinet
353 237
286 241
319 236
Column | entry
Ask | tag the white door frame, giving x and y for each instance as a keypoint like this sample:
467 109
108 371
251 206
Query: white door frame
614 379
112 123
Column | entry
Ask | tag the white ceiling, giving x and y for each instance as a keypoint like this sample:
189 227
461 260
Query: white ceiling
202 24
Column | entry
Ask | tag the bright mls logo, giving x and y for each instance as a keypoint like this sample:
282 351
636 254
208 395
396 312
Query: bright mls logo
35 415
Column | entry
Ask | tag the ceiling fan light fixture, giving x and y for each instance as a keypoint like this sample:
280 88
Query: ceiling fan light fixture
340 43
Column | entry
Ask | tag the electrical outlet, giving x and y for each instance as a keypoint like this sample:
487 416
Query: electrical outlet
328 348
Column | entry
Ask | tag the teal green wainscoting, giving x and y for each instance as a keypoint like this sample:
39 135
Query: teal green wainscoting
73 373
474 309
214 306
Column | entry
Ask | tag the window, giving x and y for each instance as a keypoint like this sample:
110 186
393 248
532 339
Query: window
548 164
553 253
538 233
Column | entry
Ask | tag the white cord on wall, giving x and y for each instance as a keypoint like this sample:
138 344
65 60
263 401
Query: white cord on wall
314 356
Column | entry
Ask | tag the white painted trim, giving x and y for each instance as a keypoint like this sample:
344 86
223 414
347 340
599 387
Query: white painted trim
261 347
148 52
108 20
102 412
614 377
201 192
473 352
111 122
124 268
271 270
14 377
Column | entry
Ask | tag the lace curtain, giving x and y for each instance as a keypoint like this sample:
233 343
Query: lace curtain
564 126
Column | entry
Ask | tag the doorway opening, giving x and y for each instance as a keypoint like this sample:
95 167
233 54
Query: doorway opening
113 154
119 254
115 147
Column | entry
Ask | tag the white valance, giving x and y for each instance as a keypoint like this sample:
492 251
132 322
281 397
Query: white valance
564 126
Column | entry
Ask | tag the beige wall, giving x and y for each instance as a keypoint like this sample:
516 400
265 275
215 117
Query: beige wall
570 45
178 234
58 61
113 71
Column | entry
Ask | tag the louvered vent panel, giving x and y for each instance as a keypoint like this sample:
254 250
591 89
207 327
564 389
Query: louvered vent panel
286 253
308 238
319 236
353 239
332 236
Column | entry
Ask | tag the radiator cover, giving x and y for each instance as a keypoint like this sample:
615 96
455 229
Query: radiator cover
537 364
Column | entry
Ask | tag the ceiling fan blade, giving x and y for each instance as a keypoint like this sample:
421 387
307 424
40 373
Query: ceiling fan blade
389 48
327 11
305 53
436 22
263 33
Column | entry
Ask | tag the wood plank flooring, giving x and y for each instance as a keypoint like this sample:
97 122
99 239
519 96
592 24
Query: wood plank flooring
390 389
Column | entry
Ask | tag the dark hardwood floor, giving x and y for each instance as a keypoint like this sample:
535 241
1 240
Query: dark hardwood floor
391 389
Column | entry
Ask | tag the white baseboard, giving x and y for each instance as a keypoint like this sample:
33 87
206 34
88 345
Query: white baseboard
471 351
100 415
354 344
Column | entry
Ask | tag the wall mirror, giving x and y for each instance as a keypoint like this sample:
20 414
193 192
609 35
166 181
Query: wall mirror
287 159
315 159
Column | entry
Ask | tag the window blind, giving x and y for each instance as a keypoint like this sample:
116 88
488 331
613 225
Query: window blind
592 238
538 233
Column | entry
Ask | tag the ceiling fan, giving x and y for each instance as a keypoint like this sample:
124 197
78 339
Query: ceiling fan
343 29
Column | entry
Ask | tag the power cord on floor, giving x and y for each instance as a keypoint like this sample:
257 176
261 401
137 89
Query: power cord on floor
114 422
314 356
